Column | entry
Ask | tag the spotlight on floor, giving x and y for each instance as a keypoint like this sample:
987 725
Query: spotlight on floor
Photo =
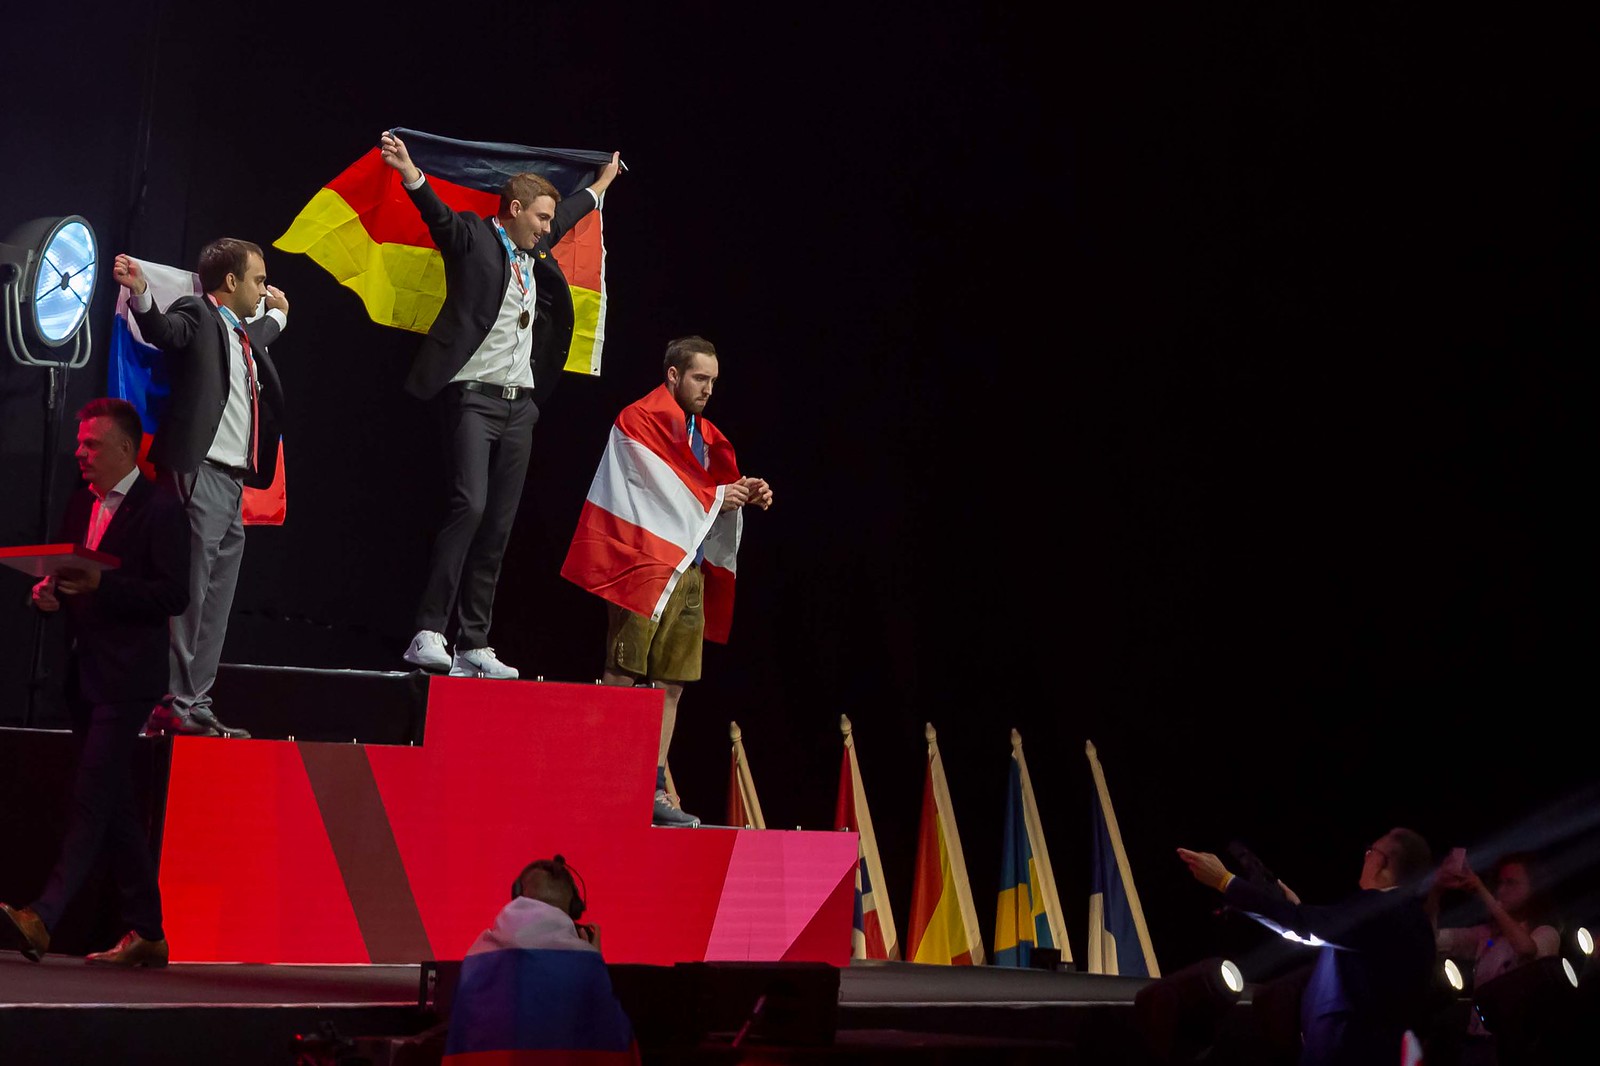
1181 1014
1523 1005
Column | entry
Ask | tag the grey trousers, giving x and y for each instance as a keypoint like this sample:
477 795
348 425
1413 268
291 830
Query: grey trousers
213 498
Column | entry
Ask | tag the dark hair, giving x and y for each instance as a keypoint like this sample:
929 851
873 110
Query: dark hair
561 874
525 189
681 352
1537 910
123 413
1413 859
224 256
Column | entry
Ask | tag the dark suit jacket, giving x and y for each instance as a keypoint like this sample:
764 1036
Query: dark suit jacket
119 631
194 336
476 273
1371 977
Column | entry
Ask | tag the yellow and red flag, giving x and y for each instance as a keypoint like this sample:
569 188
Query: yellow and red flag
944 924
362 228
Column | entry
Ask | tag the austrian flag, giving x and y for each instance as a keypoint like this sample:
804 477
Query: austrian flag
651 507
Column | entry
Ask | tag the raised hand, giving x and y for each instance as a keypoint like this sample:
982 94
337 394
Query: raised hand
395 154
276 298
608 173
125 269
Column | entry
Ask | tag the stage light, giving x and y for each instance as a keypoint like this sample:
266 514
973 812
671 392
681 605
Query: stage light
47 271
1179 1015
1452 975
1523 1004
1580 942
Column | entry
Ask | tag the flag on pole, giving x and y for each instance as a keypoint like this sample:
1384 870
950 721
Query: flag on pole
1119 940
137 372
873 934
1029 913
944 923
744 810
651 505
362 228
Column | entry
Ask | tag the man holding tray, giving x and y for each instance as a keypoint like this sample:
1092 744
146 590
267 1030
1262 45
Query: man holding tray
117 621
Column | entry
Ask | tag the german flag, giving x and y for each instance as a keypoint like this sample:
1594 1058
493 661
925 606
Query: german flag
362 228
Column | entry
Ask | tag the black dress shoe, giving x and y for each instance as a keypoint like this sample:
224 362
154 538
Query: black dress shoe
164 721
204 717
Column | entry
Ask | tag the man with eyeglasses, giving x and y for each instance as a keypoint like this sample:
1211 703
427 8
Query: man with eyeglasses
1376 949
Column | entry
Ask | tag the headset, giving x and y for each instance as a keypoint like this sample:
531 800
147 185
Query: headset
558 868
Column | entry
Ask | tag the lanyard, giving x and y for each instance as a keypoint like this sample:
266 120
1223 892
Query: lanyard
523 273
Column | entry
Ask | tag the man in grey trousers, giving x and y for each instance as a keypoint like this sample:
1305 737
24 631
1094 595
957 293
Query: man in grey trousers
211 439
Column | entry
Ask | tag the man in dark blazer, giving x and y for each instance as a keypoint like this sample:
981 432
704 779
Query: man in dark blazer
1371 978
491 358
217 433
117 620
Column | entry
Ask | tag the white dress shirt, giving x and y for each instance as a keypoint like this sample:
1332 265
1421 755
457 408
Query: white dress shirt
231 445
506 355
105 509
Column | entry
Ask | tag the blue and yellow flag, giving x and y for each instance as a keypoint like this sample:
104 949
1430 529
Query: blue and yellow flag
1119 940
1029 912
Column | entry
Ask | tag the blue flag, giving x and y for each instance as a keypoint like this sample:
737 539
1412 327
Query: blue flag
1119 941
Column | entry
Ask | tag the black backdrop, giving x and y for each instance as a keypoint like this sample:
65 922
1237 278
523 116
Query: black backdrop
1208 383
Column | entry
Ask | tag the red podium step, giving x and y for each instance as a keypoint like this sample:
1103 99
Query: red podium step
277 851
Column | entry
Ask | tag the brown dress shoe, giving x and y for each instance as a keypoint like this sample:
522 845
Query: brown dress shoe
21 930
133 950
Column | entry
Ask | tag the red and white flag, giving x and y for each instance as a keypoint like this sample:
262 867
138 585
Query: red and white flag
651 506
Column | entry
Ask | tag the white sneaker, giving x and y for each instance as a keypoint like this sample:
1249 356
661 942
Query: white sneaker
481 662
428 651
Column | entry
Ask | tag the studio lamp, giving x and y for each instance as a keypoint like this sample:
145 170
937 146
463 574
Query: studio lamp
1180 1015
47 275
47 269
1523 1004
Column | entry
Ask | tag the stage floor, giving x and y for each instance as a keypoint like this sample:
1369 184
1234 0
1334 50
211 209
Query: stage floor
64 1010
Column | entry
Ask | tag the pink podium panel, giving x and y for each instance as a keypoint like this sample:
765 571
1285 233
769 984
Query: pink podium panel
276 851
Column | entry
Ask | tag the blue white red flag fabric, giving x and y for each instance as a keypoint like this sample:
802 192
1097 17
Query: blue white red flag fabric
533 993
137 373
944 924
1028 914
650 507
872 934
1119 940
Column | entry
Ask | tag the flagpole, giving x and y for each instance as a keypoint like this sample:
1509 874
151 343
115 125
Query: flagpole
958 861
1123 869
869 845
747 783
1041 855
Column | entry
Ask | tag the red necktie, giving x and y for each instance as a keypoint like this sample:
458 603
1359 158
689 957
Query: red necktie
250 378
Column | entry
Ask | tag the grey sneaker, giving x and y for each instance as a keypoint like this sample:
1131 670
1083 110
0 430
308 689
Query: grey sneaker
481 662
668 815
428 651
